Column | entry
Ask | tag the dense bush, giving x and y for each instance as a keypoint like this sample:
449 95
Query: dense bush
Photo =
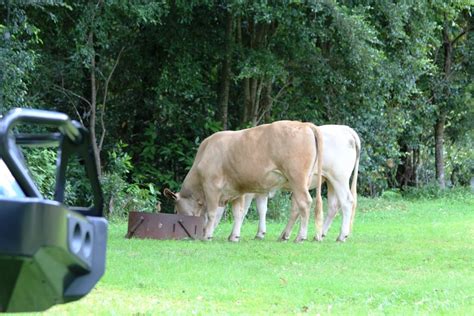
432 191
42 166
121 196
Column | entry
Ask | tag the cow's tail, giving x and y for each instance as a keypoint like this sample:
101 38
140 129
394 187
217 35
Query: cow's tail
355 174
318 208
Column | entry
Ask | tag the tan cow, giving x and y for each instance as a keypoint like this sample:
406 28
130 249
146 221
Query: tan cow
259 160
340 160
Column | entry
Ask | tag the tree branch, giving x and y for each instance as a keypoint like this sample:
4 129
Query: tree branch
274 99
104 100
464 32
106 87
281 91
65 91
68 94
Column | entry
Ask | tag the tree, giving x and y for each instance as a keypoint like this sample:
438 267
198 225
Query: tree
17 58
161 76
82 58
226 69
448 80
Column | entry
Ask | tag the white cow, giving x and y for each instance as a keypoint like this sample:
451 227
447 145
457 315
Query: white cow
340 159
258 160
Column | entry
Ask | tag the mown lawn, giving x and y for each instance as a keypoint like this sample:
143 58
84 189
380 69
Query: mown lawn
405 257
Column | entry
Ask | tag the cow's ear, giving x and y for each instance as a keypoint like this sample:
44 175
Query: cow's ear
170 194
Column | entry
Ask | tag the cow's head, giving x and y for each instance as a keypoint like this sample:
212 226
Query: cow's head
185 205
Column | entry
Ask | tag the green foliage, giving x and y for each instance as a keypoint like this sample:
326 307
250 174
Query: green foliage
120 196
432 191
279 207
78 190
278 210
42 166
391 195
16 59
41 163
377 66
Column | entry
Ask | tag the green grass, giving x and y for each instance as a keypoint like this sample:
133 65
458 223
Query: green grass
405 257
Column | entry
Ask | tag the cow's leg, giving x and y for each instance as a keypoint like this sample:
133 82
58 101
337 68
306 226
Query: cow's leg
212 213
239 214
303 201
219 214
333 205
246 205
300 205
210 225
262 202
248 198
285 235
345 199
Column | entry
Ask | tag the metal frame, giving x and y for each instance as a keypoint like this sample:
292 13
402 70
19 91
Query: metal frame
72 139
49 253
164 226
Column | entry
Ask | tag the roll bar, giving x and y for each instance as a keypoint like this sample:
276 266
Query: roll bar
72 138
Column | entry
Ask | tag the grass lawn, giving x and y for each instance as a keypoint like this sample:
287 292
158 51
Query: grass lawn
405 257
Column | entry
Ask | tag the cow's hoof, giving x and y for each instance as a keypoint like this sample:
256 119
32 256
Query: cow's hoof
207 239
260 236
341 239
234 238
318 238
284 236
299 240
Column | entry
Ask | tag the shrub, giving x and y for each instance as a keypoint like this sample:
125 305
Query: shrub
433 191
120 196
41 163
392 195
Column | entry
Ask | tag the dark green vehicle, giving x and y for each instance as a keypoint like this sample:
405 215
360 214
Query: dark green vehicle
49 253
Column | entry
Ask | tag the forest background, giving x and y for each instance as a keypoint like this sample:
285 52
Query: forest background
151 80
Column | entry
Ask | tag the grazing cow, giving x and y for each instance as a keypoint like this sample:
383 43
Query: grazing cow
340 159
259 160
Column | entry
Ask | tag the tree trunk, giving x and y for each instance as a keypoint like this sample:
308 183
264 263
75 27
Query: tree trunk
267 101
439 148
448 52
257 90
404 169
441 119
247 100
416 165
93 118
256 103
245 81
455 176
225 73
406 174
253 99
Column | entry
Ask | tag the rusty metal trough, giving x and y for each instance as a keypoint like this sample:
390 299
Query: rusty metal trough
164 226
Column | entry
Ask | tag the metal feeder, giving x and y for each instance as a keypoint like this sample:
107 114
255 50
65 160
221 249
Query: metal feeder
164 226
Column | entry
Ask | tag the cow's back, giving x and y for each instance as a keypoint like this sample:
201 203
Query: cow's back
257 159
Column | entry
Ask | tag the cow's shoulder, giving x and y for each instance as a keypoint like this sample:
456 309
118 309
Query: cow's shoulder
292 130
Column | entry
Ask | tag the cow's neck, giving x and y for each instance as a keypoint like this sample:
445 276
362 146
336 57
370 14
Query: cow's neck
192 186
